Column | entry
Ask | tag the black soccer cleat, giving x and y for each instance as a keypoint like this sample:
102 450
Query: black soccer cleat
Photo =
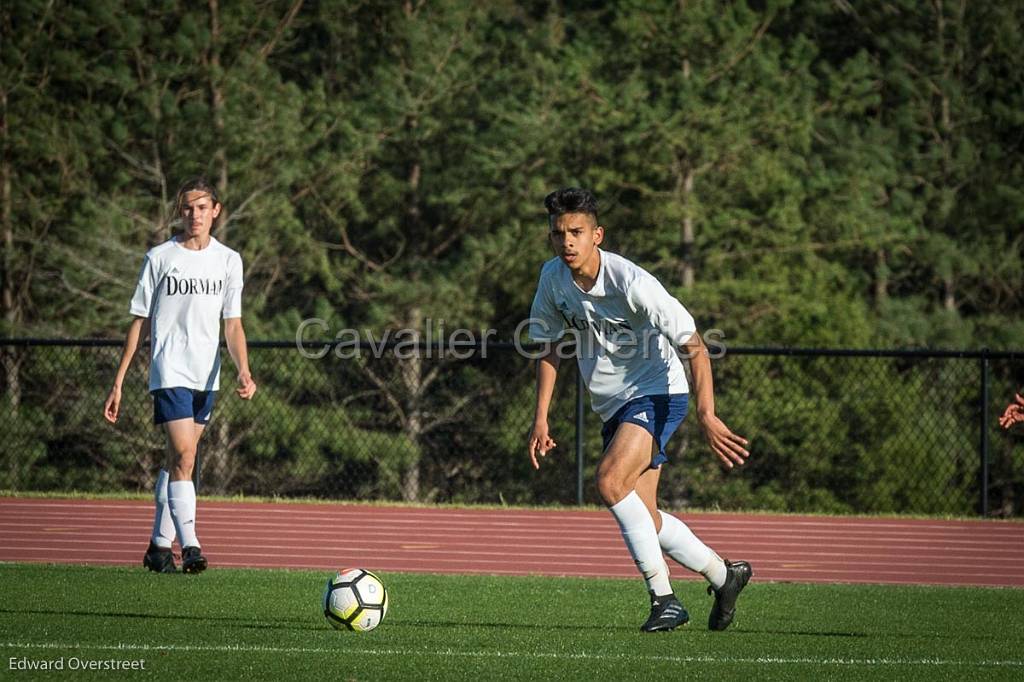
737 575
159 559
667 613
192 560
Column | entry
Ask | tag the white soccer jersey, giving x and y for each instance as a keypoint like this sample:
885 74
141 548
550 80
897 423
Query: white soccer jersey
628 326
185 294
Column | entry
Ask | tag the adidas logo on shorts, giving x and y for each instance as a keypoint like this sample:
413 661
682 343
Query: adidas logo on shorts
642 416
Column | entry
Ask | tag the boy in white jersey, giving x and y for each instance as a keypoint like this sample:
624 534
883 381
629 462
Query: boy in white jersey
186 285
628 328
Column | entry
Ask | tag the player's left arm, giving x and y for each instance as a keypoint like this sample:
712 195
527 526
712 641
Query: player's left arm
1014 412
649 299
234 334
727 446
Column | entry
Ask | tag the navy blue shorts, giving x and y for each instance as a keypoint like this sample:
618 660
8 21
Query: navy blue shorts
170 404
661 415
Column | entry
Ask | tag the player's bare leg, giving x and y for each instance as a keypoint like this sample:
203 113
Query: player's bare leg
727 579
626 461
183 441
627 458
647 488
182 444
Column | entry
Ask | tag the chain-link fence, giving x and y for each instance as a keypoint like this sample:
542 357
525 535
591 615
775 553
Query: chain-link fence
830 431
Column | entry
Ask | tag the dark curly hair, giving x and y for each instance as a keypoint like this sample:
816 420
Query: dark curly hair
570 200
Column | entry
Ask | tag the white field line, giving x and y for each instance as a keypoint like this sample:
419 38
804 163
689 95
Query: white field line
442 653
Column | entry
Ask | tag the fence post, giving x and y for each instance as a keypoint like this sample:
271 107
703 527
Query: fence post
983 424
580 391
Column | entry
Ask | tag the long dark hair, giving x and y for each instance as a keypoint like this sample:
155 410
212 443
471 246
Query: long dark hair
196 184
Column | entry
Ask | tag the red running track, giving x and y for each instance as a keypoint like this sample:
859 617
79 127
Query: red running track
518 542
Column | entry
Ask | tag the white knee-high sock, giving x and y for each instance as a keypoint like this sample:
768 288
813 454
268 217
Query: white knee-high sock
681 544
182 501
163 525
641 538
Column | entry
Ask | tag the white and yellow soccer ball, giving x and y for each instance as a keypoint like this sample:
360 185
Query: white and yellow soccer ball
355 599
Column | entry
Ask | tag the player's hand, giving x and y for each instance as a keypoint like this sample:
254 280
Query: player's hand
540 442
727 446
113 405
246 386
1014 412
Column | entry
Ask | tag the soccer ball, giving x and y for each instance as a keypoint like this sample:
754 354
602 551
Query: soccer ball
355 599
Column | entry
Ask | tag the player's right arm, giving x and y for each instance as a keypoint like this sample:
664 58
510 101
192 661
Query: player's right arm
540 440
140 309
138 330
547 326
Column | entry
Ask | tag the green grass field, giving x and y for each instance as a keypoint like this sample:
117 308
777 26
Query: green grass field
265 624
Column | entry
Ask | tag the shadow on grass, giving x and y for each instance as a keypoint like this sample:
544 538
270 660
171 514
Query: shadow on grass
278 624
616 628
798 633
314 624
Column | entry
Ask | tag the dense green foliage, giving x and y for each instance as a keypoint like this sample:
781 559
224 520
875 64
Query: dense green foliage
265 625
815 174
